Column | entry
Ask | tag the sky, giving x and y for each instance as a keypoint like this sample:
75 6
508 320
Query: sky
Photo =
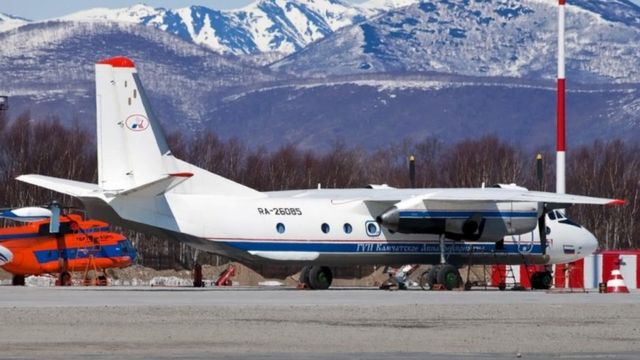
45 9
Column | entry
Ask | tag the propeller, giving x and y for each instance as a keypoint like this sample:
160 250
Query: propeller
542 228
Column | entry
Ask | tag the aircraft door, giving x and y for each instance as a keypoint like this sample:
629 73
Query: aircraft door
524 242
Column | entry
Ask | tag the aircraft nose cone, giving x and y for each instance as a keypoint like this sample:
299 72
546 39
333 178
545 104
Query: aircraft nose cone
589 243
6 256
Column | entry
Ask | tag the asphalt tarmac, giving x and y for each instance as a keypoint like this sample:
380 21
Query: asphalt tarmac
242 323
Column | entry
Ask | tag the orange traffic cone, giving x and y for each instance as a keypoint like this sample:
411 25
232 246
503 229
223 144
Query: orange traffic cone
616 283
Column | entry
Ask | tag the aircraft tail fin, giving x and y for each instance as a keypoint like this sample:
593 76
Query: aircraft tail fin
132 147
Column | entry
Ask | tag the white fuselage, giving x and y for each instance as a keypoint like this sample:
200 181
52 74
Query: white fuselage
326 227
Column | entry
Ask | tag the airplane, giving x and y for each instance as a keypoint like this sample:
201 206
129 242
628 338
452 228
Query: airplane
142 186
45 245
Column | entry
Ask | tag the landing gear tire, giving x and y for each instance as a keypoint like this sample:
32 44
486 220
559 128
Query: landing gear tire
65 279
320 277
547 280
541 280
432 276
304 276
449 277
17 280
424 280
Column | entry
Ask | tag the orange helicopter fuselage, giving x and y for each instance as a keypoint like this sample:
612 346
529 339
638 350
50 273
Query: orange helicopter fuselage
79 245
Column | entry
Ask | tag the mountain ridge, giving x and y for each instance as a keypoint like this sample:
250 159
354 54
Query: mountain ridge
489 38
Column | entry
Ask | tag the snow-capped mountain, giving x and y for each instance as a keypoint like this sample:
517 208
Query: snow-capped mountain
483 38
386 5
48 68
8 22
282 26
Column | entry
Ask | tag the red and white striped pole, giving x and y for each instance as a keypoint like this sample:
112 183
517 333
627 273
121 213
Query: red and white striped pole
561 129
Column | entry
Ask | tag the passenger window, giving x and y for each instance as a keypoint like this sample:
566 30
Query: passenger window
280 228
347 228
372 228
325 228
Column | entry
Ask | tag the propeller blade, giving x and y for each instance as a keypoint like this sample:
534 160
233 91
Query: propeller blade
542 228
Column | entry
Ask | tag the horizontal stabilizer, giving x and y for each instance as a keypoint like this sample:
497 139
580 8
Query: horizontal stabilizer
158 187
64 186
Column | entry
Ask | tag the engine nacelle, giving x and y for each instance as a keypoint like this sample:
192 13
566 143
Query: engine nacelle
480 222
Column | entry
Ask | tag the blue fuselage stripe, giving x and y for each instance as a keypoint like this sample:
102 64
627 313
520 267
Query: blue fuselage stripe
19 236
383 247
422 214
122 248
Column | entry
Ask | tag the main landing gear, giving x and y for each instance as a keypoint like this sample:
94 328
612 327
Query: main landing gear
18 280
316 277
444 275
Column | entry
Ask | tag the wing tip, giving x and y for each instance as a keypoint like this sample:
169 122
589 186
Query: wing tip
617 202
182 174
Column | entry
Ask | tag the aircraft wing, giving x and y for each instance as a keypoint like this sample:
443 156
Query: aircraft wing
498 195
493 194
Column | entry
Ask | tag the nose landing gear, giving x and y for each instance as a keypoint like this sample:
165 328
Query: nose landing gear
541 280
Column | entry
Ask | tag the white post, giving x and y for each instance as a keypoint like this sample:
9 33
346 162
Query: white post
561 128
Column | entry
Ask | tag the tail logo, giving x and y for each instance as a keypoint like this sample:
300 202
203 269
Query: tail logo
137 122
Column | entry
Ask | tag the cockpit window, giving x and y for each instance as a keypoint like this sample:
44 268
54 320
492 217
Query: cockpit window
559 215
552 215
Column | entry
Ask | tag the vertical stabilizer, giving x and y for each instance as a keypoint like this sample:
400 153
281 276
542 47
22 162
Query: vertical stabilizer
132 147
